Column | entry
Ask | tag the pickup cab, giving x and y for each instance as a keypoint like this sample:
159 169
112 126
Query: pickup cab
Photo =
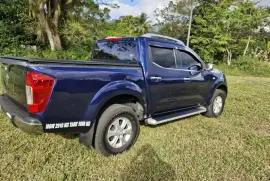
152 79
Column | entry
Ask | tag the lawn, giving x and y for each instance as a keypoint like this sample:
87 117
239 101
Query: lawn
234 147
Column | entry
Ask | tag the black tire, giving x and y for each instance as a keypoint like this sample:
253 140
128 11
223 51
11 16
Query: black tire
137 107
210 108
114 111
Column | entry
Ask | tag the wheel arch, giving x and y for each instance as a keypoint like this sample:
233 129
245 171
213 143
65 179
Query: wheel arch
115 92
221 86
121 99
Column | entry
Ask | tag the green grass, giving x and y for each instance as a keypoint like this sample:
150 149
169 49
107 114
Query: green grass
235 146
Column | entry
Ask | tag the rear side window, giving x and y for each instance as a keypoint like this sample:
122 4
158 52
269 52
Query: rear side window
116 51
164 57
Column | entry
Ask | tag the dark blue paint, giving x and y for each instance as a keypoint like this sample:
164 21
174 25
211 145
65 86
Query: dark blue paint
81 91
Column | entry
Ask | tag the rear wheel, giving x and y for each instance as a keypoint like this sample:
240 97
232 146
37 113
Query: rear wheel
117 130
216 107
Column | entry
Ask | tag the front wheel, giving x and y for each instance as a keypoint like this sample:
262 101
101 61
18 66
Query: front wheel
216 107
117 130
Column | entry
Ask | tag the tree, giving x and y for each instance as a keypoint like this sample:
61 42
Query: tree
225 27
16 28
171 22
48 14
129 26
84 23
177 15
52 14
187 6
142 25
125 26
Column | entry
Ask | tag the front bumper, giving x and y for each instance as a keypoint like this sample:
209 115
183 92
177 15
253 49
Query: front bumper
20 118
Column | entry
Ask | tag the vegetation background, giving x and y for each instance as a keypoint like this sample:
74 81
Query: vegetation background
234 34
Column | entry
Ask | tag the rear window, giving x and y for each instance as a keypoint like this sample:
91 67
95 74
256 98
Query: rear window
116 51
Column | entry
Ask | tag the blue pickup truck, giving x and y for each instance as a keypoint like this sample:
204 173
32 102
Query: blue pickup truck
152 79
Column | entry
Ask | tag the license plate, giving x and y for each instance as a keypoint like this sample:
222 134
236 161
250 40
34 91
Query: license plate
9 115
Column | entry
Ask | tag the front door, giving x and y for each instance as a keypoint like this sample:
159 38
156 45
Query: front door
200 80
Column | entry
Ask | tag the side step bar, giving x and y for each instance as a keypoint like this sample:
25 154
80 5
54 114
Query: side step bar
173 117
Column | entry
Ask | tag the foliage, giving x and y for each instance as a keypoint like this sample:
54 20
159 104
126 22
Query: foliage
80 23
61 16
142 25
225 28
221 30
16 28
71 54
247 66
129 26
84 24
122 27
173 20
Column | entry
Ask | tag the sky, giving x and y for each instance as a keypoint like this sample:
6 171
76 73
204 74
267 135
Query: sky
136 7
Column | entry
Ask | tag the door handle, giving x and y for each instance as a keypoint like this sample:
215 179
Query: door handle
187 79
156 79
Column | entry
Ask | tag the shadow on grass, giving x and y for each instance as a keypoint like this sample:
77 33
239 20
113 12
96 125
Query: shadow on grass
69 136
147 165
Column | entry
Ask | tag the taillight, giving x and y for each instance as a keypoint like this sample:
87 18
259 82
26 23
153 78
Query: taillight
38 91
114 38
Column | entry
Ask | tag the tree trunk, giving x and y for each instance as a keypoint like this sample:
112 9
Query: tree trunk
246 49
189 27
57 41
45 26
51 29
229 58
55 25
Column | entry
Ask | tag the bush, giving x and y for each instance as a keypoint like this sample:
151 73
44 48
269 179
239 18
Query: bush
64 55
246 65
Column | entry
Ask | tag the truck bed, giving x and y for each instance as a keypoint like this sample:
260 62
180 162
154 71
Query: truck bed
24 60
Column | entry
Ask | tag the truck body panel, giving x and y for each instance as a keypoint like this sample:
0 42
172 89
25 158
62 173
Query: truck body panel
82 88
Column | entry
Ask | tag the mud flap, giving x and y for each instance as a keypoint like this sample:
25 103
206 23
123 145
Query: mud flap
88 138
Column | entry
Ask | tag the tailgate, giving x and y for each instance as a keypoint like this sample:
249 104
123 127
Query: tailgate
13 82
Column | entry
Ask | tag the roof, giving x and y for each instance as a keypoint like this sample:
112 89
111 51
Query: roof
151 36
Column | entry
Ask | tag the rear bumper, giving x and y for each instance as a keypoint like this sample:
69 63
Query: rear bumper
20 118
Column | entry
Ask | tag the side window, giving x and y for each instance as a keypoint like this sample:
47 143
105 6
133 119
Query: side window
163 57
185 61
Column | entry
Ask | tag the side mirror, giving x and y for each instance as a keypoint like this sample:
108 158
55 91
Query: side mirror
195 69
209 66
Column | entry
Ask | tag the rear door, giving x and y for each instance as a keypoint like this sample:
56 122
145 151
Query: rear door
169 85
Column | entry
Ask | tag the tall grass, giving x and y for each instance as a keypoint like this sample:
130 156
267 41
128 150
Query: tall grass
247 66
73 54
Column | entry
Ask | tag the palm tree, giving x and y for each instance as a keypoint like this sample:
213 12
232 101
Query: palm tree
142 25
